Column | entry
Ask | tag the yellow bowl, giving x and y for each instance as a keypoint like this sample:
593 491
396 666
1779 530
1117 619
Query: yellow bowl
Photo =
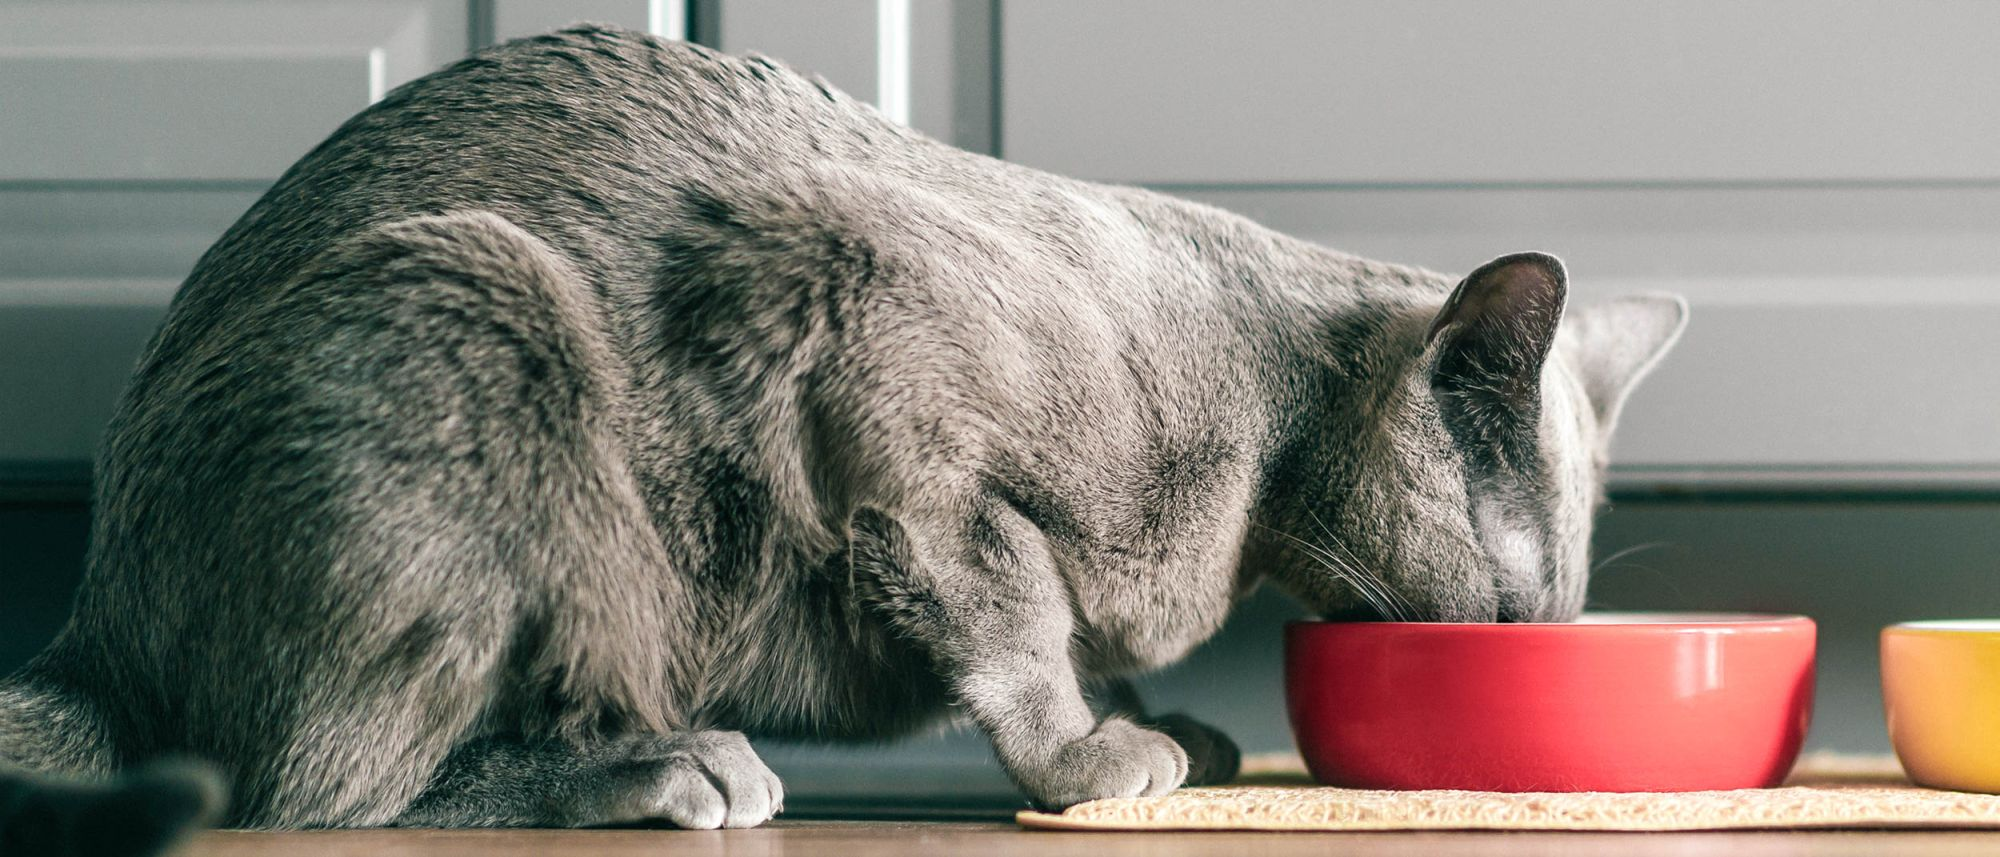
1941 689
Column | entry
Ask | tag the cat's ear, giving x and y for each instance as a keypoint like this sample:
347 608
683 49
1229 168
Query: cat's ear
1614 344
1490 341
1495 330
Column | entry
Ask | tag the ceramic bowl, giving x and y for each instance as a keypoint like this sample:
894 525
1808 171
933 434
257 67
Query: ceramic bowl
1614 702
1941 689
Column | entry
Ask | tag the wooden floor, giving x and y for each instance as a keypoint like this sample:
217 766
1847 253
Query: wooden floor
836 838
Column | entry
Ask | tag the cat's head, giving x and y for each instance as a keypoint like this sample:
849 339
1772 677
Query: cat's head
1480 453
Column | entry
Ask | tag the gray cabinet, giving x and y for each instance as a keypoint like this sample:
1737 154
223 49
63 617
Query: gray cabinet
200 89
513 19
1817 177
132 133
926 63
1430 91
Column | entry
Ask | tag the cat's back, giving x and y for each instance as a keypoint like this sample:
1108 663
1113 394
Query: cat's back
668 177
619 150
581 137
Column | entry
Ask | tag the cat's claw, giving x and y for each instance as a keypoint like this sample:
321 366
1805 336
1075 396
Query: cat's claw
702 781
1117 759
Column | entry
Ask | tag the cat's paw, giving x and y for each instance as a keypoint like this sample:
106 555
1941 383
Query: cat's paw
698 781
1117 759
1212 758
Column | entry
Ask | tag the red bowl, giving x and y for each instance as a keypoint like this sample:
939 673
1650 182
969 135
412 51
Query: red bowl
1615 702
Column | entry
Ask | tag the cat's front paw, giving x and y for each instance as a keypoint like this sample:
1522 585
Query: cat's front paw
1117 759
1212 758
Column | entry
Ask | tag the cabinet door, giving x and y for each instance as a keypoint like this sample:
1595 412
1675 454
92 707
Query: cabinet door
202 90
926 63
840 40
132 133
1817 178
513 19
1287 91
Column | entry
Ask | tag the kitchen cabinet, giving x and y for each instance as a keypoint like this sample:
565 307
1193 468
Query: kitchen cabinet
199 90
1819 179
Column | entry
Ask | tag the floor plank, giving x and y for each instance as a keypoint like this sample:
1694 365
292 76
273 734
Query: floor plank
892 839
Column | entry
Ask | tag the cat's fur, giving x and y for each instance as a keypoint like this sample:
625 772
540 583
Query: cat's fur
589 404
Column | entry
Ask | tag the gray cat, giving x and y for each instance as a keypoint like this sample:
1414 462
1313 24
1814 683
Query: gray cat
580 409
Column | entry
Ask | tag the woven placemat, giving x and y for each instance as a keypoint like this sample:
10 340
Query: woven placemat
1826 791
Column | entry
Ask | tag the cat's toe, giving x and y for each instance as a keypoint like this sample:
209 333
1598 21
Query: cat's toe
706 780
1212 758
687 798
1118 759
751 790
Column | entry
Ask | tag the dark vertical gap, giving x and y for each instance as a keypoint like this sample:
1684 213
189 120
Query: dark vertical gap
479 28
704 23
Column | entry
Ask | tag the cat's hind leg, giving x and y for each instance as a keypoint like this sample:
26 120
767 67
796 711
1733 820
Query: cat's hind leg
406 516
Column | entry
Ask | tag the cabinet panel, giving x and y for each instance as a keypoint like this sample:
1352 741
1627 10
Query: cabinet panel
139 123
67 350
949 63
513 19
952 71
85 275
200 89
1313 91
835 39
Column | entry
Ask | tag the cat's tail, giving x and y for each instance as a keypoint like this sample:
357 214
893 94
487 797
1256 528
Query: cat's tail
60 796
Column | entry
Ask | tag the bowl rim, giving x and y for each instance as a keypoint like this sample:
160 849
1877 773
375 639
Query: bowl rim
1955 627
1626 622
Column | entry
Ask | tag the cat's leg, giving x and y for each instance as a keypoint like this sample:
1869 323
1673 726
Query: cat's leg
431 525
1212 757
981 592
697 780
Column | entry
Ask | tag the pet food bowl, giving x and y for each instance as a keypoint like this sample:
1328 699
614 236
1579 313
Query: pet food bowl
1941 689
1615 702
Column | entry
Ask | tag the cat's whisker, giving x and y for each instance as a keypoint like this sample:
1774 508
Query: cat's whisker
1340 570
1386 601
1343 573
1404 608
1371 589
1618 555
1354 582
